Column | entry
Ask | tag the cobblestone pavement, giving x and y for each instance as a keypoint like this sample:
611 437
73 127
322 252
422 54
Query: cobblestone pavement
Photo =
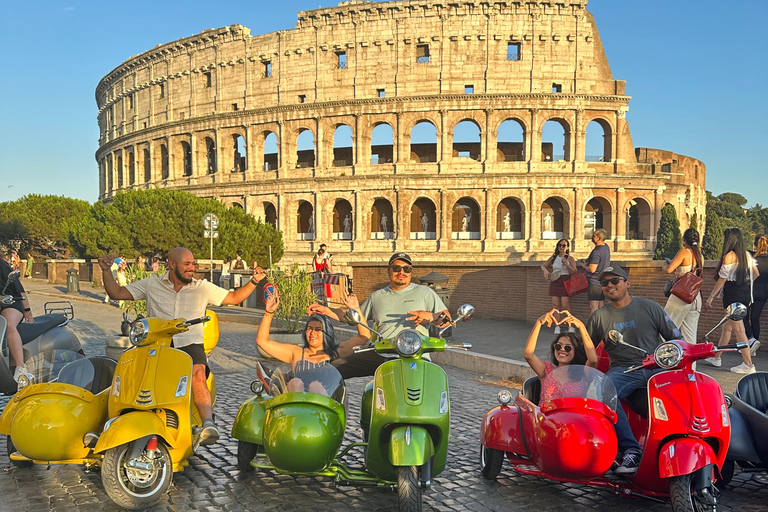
212 481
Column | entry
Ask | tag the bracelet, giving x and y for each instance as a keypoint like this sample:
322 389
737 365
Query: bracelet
254 283
27 309
269 313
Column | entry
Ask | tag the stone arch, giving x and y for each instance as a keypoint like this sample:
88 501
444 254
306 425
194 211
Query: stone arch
597 149
554 218
131 168
305 221
270 214
556 140
424 150
343 146
510 219
271 150
343 220
638 212
598 214
186 158
210 156
147 165
382 220
305 148
119 170
467 140
510 140
423 228
382 143
239 153
465 219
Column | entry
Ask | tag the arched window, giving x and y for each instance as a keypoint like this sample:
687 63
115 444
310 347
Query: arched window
239 163
119 170
424 142
305 149
465 222
164 161
210 156
423 220
598 141
147 166
382 144
597 215
382 220
270 214
509 219
510 142
638 219
186 152
466 140
554 219
343 221
131 168
342 146
270 151
555 141
305 221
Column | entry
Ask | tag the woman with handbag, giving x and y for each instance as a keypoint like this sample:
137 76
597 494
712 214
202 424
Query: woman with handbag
557 270
684 314
735 274
759 293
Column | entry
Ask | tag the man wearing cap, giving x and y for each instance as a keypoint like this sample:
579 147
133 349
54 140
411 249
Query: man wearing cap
643 323
177 294
392 309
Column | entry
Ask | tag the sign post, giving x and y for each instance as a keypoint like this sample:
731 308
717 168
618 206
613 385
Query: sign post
211 230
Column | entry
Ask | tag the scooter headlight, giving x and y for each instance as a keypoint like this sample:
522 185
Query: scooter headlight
408 342
505 397
25 379
668 355
139 331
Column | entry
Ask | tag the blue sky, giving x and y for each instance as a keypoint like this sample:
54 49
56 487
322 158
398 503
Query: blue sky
696 71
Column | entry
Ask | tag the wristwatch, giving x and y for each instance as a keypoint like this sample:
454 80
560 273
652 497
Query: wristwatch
254 283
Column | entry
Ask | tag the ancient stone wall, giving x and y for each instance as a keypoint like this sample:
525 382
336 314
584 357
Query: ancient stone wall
317 130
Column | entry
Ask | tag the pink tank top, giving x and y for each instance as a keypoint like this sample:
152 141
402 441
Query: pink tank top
552 389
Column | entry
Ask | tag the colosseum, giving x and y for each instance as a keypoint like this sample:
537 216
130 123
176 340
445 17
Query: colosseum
435 127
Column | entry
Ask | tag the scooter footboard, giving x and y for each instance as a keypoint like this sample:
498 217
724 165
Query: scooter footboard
683 456
132 426
410 446
502 430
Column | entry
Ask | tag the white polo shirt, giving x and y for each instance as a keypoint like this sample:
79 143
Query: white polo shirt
188 303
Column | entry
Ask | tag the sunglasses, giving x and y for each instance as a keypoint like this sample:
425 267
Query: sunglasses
405 268
566 348
315 329
614 281
562 245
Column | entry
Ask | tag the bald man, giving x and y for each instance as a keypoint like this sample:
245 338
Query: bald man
177 294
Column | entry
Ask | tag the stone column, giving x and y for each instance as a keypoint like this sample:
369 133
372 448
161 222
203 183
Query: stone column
251 158
441 141
533 148
319 146
193 154
488 153
533 214
580 137
486 219
357 139
577 235
658 204
219 154
620 219
282 155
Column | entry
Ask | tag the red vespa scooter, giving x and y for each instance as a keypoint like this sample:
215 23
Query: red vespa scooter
683 427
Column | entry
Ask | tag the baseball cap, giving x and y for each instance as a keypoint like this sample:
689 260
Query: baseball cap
400 256
118 261
612 271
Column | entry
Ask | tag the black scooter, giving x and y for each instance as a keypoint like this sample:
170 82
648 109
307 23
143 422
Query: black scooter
47 333
748 412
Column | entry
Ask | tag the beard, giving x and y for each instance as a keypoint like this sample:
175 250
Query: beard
180 277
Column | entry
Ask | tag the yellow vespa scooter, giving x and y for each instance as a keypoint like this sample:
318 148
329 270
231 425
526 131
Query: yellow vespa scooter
153 425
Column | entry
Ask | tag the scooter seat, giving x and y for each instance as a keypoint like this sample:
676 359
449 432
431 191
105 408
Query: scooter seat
94 373
532 390
753 389
43 324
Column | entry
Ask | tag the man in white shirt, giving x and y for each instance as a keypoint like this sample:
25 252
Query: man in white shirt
176 294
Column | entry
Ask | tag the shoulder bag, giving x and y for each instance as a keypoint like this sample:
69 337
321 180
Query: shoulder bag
687 288
576 284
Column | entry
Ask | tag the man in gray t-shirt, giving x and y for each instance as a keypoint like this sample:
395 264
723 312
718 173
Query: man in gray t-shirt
599 258
394 308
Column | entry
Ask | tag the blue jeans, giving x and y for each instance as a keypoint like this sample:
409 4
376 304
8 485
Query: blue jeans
625 384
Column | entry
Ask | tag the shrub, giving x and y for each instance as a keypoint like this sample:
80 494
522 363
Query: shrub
295 289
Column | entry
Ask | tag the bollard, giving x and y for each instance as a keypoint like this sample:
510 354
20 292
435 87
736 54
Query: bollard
73 281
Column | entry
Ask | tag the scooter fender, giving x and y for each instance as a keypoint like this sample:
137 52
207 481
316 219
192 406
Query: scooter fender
129 427
683 456
249 422
502 430
410 446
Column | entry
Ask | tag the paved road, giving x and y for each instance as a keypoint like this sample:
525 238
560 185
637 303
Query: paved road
212 482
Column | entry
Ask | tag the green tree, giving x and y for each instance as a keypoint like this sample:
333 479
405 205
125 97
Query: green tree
712 243
39 223
150 221
668 238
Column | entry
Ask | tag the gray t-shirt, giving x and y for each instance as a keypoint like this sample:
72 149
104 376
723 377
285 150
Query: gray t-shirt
388 308
641 322
601 255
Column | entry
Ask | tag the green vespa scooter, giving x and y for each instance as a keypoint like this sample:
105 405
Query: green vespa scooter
297 420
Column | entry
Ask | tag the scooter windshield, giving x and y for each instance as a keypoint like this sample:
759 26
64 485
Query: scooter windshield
62 366
579 381
322 379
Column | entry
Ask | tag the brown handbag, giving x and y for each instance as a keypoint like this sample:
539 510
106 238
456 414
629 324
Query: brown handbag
688 287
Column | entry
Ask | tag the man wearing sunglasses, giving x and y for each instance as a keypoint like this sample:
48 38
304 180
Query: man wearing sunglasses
643 324
392 309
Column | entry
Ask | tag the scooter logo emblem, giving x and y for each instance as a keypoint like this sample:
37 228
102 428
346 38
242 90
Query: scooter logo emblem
413 366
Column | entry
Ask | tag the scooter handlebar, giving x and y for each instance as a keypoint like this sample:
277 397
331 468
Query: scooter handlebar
196 321
460 346
739 345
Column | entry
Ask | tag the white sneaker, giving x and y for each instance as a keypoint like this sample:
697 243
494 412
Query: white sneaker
714 361
743 368
19 371
557 329
753 346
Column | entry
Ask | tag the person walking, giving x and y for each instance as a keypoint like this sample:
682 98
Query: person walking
735 274
688 259
558 270
759 293
598 260
30 264
226 268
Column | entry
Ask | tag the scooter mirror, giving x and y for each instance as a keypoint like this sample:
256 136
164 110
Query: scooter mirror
737 311
13 276
352 317
615 337
465 312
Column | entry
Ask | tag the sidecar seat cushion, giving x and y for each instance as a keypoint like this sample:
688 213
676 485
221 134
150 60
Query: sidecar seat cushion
43 324
753 389
103 373
532 389
94 374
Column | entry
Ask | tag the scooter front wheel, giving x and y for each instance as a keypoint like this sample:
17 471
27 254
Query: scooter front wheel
11 449
408 489
131 487
685 499
245 454
490 462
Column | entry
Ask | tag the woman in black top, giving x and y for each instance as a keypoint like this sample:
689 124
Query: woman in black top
14 314
759 292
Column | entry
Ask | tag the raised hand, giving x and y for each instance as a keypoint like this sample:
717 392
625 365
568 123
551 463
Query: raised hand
272 302
351 301
106 261
258 274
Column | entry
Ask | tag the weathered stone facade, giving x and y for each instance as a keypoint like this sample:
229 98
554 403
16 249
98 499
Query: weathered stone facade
221 115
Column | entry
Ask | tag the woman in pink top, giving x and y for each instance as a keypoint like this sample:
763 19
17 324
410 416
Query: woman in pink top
567 348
